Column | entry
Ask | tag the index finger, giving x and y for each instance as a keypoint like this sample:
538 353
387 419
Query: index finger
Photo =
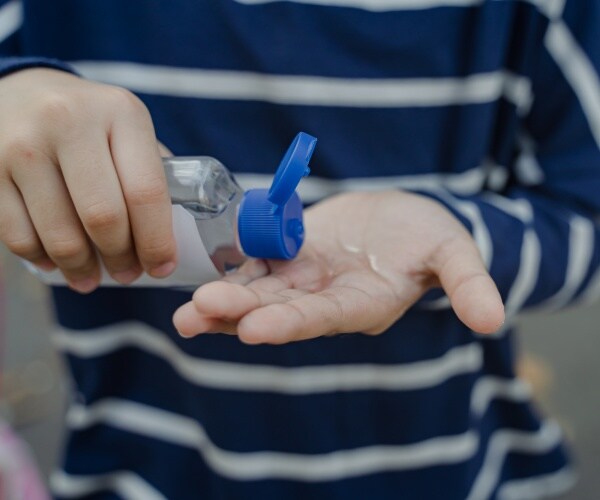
142 178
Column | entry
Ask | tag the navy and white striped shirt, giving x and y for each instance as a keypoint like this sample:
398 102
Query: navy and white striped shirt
490 106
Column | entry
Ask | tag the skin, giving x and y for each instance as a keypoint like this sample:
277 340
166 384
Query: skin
367 259
80 168
81 180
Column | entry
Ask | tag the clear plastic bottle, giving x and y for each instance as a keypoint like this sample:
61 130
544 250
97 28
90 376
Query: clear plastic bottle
218 226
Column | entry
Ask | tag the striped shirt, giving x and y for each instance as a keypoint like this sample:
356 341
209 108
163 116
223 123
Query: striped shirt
492 107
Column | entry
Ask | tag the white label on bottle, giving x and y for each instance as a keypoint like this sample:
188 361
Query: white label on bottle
194 267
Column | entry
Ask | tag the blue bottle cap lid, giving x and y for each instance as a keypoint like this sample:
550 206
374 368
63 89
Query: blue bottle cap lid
270 221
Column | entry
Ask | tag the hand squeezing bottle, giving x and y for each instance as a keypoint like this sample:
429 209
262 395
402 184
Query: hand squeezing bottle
217 225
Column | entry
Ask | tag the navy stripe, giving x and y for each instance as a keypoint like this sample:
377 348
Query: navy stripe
520 227
104 438
582 17
253 421
360 142
288 38
193 477
417 336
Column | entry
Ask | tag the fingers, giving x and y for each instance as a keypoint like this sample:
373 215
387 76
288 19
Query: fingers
190 323
57 224
16 229
336 310
241 292
276 318
225 301
231 301
140 171
472 292
90 175
100 204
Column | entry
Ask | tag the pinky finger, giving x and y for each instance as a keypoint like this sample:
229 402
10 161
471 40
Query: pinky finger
16 229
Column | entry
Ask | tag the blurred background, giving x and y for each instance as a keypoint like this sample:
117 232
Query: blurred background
558 357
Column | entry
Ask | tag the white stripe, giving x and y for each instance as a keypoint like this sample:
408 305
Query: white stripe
530 257
310 90
578 71
537 487
376 5
581 250
480 231
518 208
313 188
489 387
187 432
250 377
502 443
527 168
527 276
184 431
497 178
11 18
126 484
531 252
550 8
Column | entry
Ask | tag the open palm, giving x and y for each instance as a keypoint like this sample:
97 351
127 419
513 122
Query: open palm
368 257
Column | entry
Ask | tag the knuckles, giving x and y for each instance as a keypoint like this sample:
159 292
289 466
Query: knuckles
52 113
27 247
67 249
101 216
20 149
123 100
32 141
57 109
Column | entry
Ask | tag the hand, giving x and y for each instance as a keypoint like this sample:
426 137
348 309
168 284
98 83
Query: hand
368 258
80 168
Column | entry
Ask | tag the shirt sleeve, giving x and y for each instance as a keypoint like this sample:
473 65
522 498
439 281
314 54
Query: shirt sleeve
539 235
11 56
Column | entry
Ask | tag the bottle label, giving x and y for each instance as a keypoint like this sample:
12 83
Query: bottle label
194 266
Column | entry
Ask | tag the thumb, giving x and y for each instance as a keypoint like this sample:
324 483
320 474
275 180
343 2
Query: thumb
471 290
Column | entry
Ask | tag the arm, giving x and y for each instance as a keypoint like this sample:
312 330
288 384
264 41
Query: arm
540 236
537 235
80 171
11 59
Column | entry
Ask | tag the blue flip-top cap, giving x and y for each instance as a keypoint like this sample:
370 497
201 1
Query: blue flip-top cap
270 221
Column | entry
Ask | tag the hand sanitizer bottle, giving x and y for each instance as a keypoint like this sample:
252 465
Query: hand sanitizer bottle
217 225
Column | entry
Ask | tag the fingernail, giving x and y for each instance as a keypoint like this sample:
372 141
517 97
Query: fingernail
126 277
163 270
84 285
